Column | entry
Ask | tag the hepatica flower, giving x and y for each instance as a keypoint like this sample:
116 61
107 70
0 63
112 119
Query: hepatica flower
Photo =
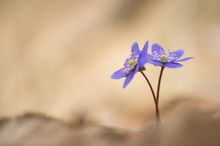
159 57
169 59
134 63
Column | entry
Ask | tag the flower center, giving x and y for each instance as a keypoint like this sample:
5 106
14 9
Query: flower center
132 63
164 58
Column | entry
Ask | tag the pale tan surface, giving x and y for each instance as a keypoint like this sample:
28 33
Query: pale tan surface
56 57
188 122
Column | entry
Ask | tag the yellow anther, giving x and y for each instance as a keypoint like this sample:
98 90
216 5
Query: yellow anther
132 63
164 59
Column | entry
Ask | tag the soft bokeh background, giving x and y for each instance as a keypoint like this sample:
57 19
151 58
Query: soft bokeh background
56 57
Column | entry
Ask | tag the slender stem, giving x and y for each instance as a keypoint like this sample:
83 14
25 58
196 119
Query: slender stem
154 97
158 85
158 95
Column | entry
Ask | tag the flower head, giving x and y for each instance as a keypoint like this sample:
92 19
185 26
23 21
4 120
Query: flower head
133 64
169 59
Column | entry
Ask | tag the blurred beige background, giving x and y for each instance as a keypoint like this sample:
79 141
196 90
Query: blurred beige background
56 57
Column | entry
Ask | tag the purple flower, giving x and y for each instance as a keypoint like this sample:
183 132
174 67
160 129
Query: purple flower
169 59
132 64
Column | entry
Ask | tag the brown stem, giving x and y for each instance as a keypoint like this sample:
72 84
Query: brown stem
157 111
158 94
159 83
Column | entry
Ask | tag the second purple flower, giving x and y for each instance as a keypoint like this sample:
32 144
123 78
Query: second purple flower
169 59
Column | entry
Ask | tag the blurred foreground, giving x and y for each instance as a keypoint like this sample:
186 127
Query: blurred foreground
187 123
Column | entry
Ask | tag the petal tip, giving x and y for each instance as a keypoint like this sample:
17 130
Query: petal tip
135 48
156 48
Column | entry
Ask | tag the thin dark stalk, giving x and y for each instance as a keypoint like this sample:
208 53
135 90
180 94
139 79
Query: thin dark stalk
158 95
154 97
158 85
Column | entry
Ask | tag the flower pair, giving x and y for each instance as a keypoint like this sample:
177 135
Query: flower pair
138 58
